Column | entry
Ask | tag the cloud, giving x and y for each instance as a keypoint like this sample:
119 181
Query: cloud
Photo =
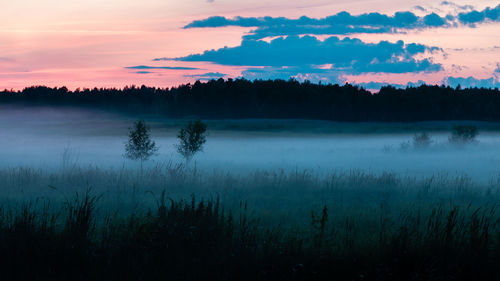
434 20
207 76
143 72
347 55
378 85
464 82
161 67
344 23
272 31
400 19
300 73
475 17
456 6
468 82
341 23
420 8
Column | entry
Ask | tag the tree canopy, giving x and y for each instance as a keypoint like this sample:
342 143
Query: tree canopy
191 139
240 98
139 145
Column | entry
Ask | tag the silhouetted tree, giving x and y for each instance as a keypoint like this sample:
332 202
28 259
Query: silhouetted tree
241 98
191 139
139 145
463 134
421 140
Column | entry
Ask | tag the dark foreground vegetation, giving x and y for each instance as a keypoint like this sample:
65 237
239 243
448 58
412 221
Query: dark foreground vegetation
240 98
290 226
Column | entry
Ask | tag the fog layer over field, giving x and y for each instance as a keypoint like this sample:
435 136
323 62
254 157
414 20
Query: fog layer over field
53 138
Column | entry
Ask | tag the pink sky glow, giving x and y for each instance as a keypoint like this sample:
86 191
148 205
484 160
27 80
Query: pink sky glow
90 43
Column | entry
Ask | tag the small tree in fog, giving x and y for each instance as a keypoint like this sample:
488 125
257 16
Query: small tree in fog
463 134
191 139
139 145
421 140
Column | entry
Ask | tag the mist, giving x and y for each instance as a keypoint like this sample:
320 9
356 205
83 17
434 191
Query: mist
51 138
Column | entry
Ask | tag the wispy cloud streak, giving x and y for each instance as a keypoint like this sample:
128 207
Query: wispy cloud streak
161 67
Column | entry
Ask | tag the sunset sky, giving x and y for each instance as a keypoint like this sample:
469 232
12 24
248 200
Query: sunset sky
114 43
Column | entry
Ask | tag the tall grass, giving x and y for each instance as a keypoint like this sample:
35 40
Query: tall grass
173 223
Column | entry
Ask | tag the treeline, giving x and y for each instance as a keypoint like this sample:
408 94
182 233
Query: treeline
241 98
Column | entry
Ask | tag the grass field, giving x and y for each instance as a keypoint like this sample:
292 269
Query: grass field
265 200
173 222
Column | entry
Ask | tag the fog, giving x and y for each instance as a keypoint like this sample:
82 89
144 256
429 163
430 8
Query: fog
51 138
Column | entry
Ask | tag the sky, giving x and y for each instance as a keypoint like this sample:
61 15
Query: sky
164 43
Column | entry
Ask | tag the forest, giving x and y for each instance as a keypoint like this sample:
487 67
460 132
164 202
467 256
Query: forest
274 99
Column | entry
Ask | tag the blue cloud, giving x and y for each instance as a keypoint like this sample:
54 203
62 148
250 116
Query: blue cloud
161 67
420 8
272 31
218 21
348 55
456 6
486 15
345 23
434 20
207 76
468 82
471 17
400 19
377 85
464 82
341 23
143 72
300 73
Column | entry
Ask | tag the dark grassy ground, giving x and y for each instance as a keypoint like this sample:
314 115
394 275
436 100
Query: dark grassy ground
390 238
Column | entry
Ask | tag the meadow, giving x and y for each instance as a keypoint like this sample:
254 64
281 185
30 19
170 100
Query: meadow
174 222
265 200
